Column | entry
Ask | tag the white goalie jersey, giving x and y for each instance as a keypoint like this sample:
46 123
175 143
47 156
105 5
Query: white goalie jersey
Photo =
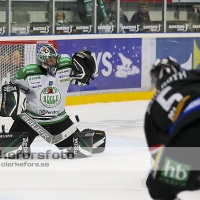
45 94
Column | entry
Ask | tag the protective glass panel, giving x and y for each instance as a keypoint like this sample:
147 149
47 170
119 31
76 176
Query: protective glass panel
73 17
31 17
183 16
141 16
3 26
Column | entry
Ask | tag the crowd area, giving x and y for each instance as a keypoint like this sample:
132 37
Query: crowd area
78 17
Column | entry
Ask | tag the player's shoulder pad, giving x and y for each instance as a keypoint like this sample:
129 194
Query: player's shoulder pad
64 62
31 69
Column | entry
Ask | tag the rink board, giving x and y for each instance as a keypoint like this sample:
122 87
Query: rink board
110 97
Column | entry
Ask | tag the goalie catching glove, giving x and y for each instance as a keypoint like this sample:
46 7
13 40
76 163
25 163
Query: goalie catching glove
83 67
12 101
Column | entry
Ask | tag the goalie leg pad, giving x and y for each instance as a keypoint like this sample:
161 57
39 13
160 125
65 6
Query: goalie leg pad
14 145
99 141
82 143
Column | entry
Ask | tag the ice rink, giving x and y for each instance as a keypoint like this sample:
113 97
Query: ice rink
115 174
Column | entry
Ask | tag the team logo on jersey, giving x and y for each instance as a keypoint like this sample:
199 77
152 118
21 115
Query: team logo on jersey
48 112
50 83
34 78
35 86
62 80
63 76
175 173
50 97
66 71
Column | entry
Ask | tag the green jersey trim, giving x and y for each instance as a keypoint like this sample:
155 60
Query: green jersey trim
64 62
29 70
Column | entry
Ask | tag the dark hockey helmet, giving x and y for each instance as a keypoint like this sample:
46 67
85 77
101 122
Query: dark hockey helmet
162 69
48 57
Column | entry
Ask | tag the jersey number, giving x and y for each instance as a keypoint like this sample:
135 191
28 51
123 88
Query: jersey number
166 104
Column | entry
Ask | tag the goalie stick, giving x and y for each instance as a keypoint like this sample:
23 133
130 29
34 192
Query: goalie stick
52 139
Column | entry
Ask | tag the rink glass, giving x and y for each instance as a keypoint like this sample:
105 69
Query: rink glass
26 17
3 30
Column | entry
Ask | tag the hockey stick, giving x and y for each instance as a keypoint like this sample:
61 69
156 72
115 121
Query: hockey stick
52 139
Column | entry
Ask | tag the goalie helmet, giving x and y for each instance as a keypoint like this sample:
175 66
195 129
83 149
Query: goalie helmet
48 57
162 69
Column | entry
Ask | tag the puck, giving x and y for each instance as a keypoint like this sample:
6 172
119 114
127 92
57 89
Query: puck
77 118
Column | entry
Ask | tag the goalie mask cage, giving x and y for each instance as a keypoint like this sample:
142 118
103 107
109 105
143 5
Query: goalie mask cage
15 55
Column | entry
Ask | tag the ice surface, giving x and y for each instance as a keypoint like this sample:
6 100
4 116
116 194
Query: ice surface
115 174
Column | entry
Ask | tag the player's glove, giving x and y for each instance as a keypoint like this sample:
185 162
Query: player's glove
83 67
13 101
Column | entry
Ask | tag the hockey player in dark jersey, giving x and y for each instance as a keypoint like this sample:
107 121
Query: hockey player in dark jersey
45 86
172 129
